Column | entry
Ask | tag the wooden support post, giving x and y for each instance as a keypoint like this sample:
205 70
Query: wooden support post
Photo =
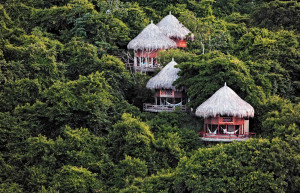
234 129
243 129
135 61
227 128
140 61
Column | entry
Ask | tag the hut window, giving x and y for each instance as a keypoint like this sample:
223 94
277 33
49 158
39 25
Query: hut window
168 92
227 119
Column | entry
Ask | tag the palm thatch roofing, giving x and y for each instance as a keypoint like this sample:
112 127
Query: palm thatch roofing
172 28
165 78
151 38
225 102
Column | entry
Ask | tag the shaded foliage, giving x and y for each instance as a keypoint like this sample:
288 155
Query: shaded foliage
277 15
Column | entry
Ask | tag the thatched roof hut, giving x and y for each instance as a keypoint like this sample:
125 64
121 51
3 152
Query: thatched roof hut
151 38
225 102
165 78
172 28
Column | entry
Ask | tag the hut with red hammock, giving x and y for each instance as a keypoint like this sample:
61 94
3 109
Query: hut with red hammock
171 27
226 117
167 96
145 47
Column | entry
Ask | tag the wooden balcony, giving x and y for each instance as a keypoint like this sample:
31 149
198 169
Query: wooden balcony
160 108
146 69
225 137
130 66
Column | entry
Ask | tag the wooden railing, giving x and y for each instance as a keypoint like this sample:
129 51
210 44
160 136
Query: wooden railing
160 108
227 136
146 69
130 66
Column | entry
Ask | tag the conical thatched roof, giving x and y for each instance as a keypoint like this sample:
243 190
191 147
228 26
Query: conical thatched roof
165 78
151 38
225 102
172 28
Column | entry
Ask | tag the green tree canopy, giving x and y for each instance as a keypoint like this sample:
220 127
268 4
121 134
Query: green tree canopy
256 165
86 102
207 73
277 14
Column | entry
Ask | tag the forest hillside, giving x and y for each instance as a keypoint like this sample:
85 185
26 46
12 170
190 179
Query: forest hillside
71 113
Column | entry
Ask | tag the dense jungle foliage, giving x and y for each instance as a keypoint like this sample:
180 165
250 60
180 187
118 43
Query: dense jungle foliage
71 115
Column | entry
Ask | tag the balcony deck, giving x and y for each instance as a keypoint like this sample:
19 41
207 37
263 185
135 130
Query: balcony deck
130 66
160 108
225 137
145 69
